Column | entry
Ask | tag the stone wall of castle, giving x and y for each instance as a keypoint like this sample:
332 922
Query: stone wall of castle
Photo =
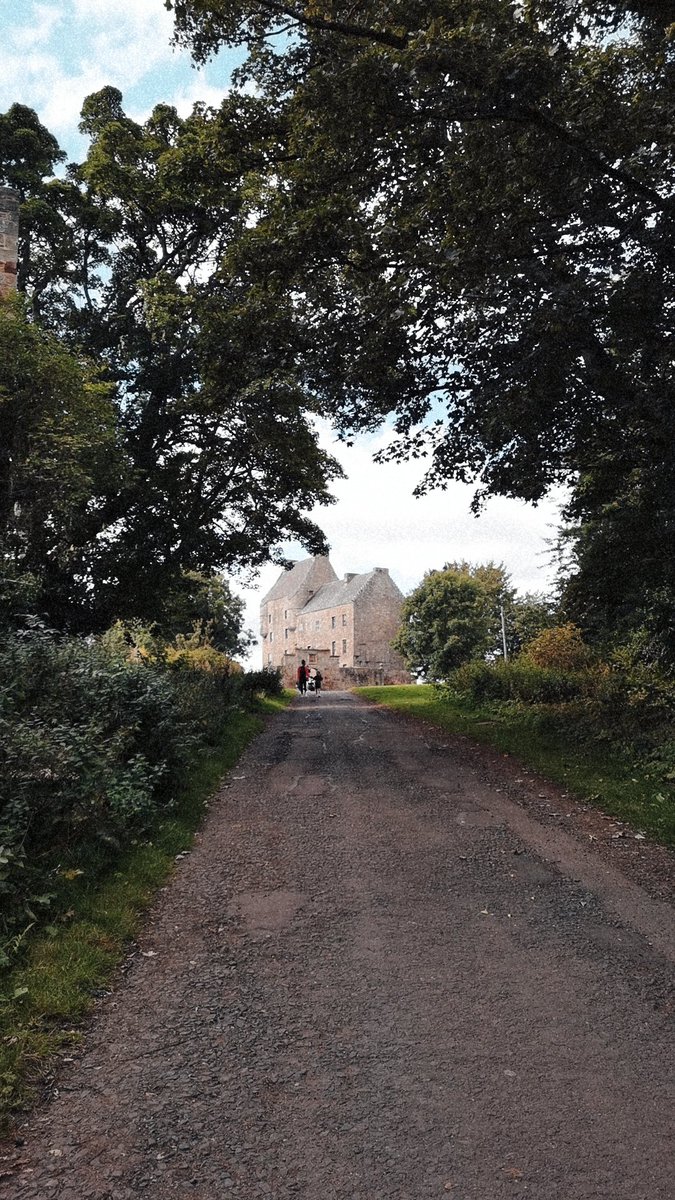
347 637
376 621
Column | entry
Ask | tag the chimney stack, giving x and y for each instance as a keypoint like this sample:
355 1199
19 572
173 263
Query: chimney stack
9 234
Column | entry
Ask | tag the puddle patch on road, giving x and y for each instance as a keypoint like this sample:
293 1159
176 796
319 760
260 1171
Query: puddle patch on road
266 911
477 818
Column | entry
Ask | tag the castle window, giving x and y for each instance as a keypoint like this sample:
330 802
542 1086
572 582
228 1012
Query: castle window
332 621
344 618
332 649
312 658
269 619
285 633
271 636
285 614
344 645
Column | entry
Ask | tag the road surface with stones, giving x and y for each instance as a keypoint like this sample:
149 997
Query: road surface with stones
374 976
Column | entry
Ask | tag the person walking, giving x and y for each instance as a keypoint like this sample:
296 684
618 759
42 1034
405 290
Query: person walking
302 678
318 680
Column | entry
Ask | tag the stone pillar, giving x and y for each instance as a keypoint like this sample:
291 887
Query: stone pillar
9 233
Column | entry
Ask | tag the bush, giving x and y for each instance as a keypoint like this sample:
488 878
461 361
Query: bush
519 680
561 648
630 707
267 682
93 736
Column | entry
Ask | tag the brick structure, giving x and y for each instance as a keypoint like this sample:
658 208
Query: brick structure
9 233
342 626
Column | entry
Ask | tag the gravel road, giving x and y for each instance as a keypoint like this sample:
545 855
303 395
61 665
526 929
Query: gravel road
375 975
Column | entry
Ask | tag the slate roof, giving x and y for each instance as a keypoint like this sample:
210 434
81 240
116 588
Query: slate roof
343 591
290 582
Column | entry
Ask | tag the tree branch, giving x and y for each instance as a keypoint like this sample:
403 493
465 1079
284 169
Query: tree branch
361 32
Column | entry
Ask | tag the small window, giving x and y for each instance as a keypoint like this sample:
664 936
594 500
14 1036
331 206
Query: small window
344 645
285 633
317 624
344 618
332 649
312 658
271 636
269 619
285 614
332 622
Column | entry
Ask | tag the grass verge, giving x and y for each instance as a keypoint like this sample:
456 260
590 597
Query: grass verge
597 773
45 997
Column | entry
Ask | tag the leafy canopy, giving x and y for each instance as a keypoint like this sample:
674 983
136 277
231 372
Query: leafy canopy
453 616
471 205
59 458
125 258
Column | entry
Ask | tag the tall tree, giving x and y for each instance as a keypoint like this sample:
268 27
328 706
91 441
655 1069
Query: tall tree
204 607
213 418
59 458
472 204
453 616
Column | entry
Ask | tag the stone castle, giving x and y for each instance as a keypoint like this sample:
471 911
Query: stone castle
344 627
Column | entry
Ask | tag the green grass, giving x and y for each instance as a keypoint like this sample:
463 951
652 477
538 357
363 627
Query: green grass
45 997
597 773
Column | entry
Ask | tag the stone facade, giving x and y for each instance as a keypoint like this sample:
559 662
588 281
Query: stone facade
9 233
342 626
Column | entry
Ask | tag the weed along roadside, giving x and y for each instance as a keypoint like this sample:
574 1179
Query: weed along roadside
630 781
53 970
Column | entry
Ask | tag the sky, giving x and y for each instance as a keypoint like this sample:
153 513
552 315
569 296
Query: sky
55 53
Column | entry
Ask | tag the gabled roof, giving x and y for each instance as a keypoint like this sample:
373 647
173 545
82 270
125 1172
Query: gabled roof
344 591
294 580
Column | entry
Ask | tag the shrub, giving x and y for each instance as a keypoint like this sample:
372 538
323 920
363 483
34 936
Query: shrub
561 648
267 682
519 680
92 733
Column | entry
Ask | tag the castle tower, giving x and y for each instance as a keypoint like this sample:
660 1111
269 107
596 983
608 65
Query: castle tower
280 607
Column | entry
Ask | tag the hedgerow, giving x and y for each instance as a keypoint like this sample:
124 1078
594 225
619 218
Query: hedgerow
625 703
95 736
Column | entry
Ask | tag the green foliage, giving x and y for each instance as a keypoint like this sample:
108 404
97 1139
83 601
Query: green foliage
623 512
470 208
204 608
52 974
628 708
454 615
526 617
518 680
123 259
561 648
59 456
266 682
95 737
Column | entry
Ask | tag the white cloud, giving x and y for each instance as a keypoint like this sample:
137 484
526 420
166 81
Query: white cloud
199 89
60 52
45 18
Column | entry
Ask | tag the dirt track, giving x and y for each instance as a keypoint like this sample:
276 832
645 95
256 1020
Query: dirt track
375 976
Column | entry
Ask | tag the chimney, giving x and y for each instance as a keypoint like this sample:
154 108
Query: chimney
9 233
